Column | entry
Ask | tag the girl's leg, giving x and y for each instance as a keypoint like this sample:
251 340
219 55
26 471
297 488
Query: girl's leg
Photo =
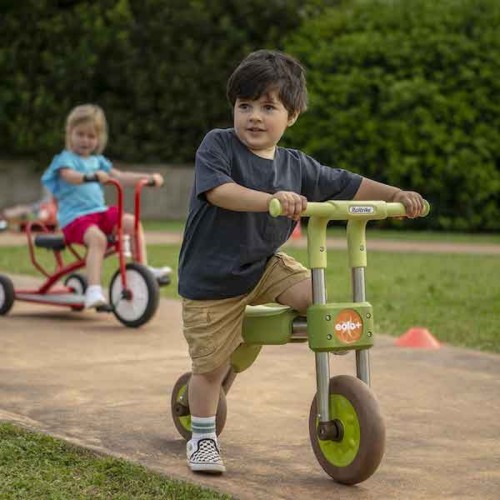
96 242
162 274
128 223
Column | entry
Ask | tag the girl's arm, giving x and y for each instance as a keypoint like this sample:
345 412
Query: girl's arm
71 176
232 196
131 178
373 190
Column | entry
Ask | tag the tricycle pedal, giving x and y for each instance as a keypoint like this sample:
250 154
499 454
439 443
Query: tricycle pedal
105 308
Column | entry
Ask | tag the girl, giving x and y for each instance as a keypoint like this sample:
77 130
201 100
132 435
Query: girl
74 178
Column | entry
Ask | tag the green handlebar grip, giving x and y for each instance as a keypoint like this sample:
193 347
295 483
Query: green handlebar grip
427 209
275 207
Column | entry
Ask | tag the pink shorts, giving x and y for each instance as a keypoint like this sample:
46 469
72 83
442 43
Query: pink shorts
106 221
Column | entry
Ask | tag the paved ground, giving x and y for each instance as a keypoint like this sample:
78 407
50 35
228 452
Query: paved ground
84 377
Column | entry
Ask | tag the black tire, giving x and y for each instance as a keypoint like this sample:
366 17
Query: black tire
145 295
357 455
78 283
7 294
182 421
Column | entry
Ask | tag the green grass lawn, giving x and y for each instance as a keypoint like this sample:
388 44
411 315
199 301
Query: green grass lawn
38 466
337 229
455 296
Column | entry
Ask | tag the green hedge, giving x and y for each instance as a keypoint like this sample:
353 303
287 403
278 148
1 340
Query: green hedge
408 93
405 92
157 67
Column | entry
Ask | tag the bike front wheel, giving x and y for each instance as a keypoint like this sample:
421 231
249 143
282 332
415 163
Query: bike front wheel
136 305
358 451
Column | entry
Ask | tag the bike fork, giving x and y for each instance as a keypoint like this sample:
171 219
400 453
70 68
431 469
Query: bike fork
321 358
359 295
327 428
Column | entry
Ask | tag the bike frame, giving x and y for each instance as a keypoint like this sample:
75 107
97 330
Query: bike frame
357 213
61 269
326 328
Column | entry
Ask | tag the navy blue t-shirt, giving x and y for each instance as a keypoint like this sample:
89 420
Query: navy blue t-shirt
224 253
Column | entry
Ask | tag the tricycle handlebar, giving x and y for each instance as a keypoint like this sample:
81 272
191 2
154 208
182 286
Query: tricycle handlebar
349 210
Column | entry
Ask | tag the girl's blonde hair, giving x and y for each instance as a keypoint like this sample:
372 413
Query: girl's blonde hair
88 114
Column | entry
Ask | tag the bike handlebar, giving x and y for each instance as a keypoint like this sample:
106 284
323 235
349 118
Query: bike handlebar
349 210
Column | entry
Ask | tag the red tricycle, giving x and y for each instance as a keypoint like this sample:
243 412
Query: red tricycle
133 290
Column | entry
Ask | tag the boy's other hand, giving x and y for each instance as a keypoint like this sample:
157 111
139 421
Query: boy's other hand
412 201
292 204
157 179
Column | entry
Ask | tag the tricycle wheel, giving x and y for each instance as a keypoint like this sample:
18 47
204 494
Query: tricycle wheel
181 414
358 451
137 305
7 294
78 284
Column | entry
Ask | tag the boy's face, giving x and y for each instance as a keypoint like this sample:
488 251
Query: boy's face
83 139
259 124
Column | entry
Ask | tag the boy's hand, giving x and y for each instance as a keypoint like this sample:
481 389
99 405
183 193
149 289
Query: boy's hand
412 201
102 176
157 179
292 204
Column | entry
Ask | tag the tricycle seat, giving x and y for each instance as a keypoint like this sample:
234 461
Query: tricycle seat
50 241
56 241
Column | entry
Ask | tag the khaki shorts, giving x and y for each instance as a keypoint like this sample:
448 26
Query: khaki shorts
213 327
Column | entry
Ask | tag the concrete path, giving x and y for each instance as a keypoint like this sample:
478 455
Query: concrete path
87 379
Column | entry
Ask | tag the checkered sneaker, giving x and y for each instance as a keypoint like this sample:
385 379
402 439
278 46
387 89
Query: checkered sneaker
204 456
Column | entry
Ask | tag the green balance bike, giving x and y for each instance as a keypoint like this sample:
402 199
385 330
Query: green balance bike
346 427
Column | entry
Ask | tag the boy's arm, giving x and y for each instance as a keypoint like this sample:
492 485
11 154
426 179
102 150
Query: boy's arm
131 178
232 196
373 190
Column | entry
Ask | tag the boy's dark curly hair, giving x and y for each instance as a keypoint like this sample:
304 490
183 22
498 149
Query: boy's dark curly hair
266 70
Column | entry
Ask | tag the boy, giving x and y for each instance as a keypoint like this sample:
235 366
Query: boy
229 257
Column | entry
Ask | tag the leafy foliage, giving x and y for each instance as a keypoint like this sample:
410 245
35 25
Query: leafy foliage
407 93
403 92
157 68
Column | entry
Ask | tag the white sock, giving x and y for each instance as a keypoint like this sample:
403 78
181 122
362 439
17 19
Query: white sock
94 289
203 427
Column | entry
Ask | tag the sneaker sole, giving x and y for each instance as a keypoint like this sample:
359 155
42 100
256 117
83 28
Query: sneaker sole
96 304
208 468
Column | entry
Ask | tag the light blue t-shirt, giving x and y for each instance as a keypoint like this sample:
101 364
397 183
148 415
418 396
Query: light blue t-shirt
75 200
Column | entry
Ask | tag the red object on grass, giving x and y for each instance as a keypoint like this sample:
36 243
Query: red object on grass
297 232
418 337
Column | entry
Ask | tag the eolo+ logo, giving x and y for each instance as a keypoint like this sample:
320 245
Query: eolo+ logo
348 326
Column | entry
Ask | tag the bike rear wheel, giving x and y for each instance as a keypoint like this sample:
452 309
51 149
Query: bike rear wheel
180 408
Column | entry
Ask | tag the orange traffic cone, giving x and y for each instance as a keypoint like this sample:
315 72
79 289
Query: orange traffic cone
297 232
418 337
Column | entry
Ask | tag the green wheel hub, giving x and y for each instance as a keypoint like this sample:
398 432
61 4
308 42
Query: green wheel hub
342 453
186 420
